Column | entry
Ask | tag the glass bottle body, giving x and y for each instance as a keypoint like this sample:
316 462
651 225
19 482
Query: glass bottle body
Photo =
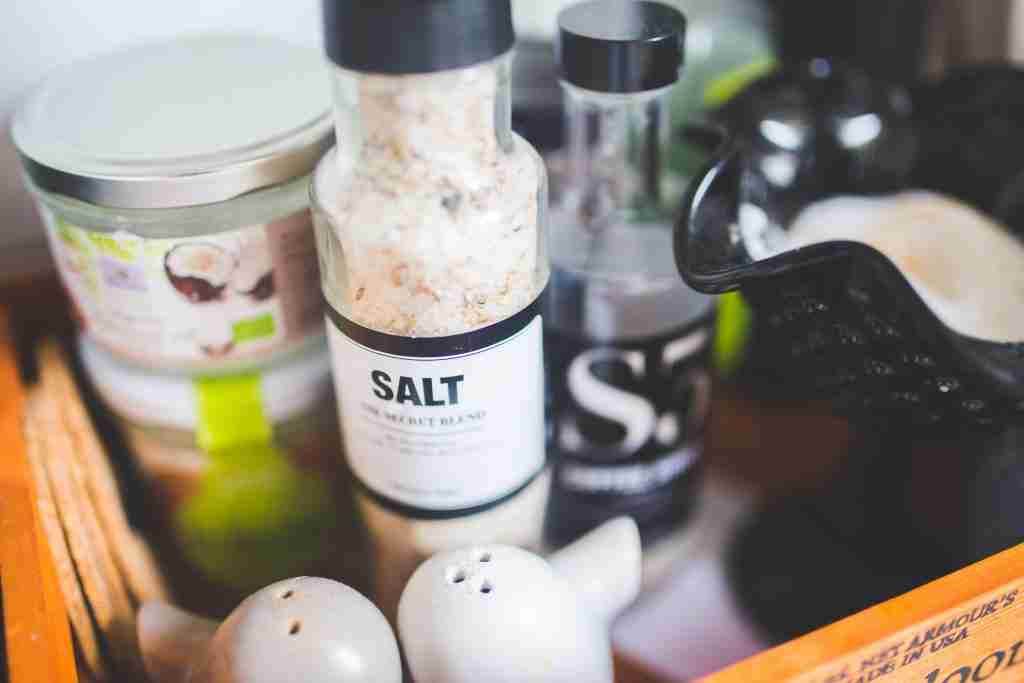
627 340
430 218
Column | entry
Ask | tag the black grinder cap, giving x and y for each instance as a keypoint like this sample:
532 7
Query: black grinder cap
416 36
621 46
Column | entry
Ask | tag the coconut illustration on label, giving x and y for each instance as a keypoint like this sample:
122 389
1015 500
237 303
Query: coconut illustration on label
254 276
200 271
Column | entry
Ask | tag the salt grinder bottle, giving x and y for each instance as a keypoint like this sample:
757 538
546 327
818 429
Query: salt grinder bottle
430 220
627 340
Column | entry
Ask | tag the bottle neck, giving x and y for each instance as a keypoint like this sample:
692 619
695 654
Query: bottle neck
615 152
413 120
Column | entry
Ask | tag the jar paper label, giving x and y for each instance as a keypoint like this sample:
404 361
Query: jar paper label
442 424
192 302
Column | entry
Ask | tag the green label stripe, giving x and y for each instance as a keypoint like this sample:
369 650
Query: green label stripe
255 517
732 332
70 235
729 84
253 328
124 250
230 413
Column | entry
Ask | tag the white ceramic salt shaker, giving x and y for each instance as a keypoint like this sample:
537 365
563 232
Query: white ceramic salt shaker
504 615
304 629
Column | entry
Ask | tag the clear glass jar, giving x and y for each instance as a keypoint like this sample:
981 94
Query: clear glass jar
178 218
430 220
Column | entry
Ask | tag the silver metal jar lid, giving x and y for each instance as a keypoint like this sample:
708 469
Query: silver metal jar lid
184 123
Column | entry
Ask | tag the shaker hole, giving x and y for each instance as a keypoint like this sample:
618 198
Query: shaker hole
295 627
486 588
486 557
287 594
455 574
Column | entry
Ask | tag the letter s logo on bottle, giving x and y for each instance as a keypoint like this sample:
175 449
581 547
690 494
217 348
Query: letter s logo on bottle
605 383
632 411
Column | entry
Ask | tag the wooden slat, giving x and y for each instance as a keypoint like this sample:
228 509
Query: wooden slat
37 633
875 628
39 645
627 671
103 501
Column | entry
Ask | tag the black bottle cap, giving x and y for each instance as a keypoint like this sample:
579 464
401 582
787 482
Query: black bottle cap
621 46
415 36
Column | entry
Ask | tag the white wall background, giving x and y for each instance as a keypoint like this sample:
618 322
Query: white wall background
40 35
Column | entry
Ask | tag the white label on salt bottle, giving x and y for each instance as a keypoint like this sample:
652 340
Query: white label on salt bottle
442 424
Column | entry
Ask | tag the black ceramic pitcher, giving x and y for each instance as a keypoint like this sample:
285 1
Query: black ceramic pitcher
838 320
841 320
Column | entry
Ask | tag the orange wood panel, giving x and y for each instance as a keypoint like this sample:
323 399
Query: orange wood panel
37 633
854 640
38 636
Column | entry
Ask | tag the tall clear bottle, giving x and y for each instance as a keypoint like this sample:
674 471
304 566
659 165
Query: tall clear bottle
430 220
627 340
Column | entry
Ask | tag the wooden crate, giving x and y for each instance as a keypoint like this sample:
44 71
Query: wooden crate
968 626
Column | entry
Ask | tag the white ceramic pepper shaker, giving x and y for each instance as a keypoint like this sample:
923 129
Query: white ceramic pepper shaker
430 221
504 615
304 629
